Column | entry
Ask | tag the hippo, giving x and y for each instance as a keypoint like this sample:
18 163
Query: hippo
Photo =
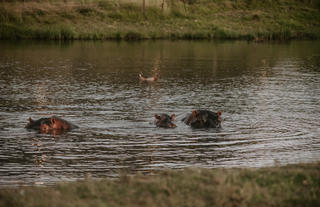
164 120
53 124
203 119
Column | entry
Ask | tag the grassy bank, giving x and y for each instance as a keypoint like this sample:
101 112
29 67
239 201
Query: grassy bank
293 185
161 19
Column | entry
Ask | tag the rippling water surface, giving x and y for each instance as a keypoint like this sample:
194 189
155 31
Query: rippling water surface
269 95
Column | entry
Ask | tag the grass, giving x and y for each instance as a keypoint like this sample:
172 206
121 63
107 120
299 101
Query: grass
124 19
292 185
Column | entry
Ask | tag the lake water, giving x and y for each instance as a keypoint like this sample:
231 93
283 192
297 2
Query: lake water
269 95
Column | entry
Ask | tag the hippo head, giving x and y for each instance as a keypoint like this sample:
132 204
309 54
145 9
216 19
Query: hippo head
197 120
165 120
30 124
204 119
38 124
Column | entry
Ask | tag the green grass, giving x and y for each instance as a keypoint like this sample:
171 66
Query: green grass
292 185
197 19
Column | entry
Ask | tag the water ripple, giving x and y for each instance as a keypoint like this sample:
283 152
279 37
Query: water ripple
269 102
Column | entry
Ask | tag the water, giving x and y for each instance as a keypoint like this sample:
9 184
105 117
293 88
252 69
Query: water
269 95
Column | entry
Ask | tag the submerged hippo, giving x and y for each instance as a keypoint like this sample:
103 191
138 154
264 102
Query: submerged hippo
203 119
164 120
54 124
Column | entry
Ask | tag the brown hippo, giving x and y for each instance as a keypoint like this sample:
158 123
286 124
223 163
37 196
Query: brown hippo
54 125
164 120
203 119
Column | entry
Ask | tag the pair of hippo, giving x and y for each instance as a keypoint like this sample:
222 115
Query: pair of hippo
196 119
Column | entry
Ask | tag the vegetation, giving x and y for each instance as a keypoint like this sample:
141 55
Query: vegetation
292 185
158 19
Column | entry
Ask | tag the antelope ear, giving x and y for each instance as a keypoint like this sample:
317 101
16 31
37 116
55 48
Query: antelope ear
157 116
219 113
173 116
30 120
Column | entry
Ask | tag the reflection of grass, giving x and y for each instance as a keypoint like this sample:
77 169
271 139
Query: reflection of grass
198 19
293 185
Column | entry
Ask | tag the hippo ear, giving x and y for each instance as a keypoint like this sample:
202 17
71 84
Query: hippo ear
173 116
52 120
194 113
157 116
29 124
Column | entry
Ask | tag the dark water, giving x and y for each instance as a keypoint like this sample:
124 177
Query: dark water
269 95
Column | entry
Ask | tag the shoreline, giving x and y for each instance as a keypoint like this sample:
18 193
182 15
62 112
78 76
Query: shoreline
125 20
290 185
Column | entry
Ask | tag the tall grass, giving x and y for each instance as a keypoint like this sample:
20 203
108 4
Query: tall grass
57 32
293 185
188 19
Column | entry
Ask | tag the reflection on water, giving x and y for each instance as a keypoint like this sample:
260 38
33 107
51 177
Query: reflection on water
269 95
